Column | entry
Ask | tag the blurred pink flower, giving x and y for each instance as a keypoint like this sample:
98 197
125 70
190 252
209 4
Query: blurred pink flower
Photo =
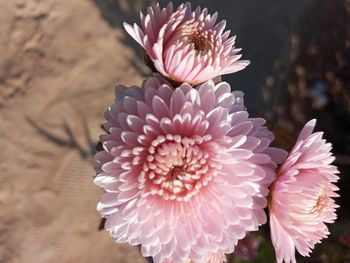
247 248
301 198
186 171
344 239
185 45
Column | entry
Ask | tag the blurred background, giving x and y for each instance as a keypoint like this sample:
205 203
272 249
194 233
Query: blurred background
59 62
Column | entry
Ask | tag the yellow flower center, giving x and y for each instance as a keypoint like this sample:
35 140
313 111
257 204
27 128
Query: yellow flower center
320 204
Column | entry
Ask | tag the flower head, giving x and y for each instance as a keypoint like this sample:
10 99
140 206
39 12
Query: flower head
185 45
301 198
186 171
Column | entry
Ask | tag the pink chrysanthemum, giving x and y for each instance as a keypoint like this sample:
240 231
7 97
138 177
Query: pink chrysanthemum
185 45
301 198
186 171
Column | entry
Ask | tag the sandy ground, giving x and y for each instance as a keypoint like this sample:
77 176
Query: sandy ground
59 61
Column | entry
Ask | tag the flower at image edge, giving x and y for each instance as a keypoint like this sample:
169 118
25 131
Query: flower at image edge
302 197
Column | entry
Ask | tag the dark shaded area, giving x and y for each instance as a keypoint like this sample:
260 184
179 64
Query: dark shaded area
102 224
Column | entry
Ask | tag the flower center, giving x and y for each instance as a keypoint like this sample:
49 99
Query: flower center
201 39
176 167
321 201
320 204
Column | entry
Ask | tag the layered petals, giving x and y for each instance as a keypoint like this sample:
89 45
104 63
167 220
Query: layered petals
302 197
186 171
186 45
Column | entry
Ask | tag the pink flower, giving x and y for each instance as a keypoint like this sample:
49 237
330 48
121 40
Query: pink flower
301 198
185 45
247 248
186 171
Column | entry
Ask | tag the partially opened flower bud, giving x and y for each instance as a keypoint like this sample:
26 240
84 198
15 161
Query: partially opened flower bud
185 45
